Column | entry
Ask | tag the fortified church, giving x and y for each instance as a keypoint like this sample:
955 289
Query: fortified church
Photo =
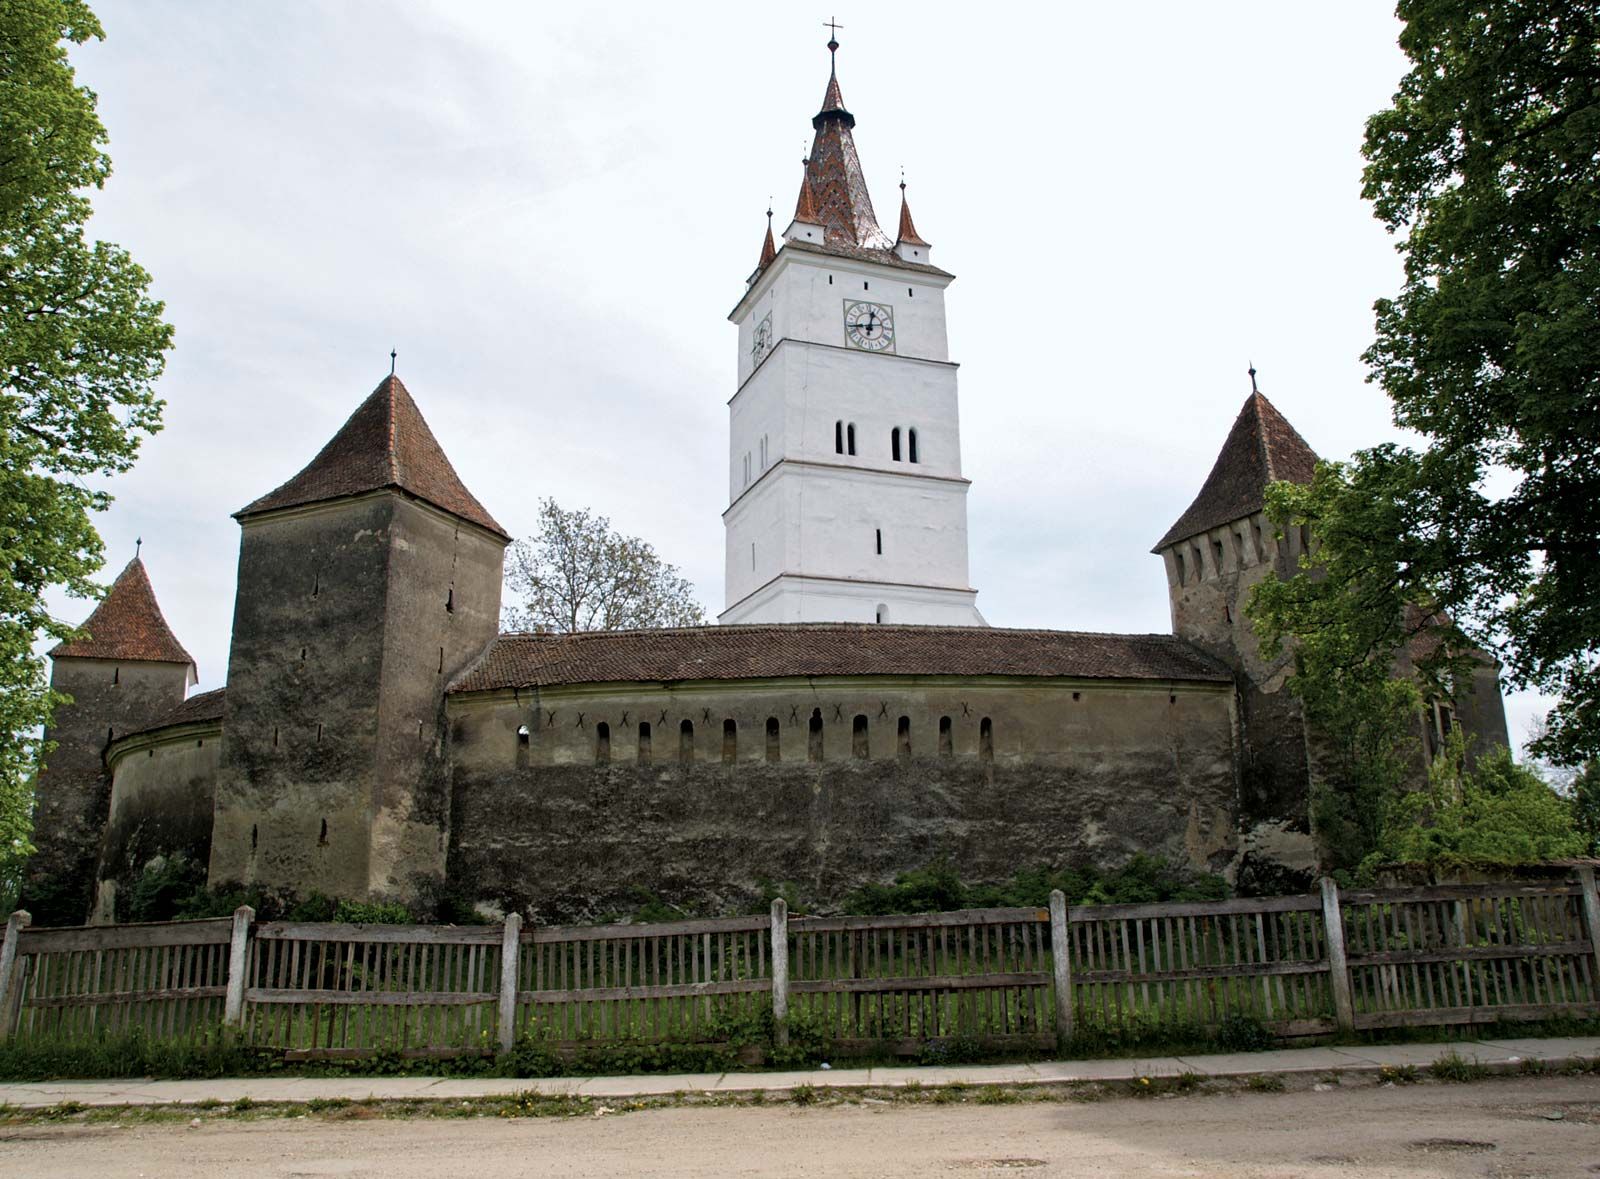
851 717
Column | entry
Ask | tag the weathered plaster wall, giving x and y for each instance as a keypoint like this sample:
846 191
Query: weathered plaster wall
350 617
163 784
1081 771
72 798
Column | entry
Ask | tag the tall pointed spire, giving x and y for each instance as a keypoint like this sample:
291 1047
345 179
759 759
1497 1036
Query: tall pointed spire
838 190
908 231
768 250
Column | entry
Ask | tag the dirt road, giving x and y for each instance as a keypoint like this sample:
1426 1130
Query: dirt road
1532 1127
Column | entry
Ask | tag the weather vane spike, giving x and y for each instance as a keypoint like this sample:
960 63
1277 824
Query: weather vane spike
1253 388
392 354
138 543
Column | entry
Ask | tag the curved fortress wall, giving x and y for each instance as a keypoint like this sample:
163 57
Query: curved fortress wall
576 800
163 784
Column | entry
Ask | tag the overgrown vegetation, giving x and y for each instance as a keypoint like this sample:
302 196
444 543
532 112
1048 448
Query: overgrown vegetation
174 888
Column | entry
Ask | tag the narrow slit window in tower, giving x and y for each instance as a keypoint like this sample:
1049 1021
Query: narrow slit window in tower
879 533
254 836
814 736
450 600
116 675
730 741
850 438
838 437
858 737
946 739
602 743
686 742
986 739
773 752
911 445
1216 551
322 835
894 444
644 743
1181 570
902 737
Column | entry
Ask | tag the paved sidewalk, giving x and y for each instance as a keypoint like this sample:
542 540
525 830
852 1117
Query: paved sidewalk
1510 1052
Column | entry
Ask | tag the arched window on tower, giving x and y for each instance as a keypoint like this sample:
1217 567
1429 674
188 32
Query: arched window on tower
644 743
858 737
894 444
903 737
730 741
602 744
686 742
850 438
838 437
814 736
986 740
911 445
882 613
773 752
947 743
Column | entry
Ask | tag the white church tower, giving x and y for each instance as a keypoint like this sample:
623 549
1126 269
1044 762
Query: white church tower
846 499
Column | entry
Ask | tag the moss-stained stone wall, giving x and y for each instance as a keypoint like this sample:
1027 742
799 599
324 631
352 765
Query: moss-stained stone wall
108 698
570 821
163 783
351 617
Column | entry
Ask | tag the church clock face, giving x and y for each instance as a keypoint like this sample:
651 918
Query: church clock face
869 326
761 341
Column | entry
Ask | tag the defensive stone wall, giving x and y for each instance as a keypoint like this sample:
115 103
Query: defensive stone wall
573 802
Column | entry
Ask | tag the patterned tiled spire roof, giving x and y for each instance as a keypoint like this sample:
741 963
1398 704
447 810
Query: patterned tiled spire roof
1261 448
805 208
908 231
127 624
833 174
386 443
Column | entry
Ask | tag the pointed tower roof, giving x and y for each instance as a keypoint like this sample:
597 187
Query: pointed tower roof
769 251
1261 448
833 173
908 231
386 443
127 624
805 208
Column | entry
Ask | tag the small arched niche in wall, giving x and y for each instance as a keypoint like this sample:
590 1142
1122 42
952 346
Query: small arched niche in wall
773 751
814 736
730 741
602 744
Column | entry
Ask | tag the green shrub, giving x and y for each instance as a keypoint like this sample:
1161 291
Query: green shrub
938 888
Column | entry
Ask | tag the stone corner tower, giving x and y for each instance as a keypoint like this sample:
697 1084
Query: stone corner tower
365 583
1215 554
123 672
846 497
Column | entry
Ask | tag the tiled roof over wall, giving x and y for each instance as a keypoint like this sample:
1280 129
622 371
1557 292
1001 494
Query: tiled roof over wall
197 709
386 443
1261 448
127 624
829 649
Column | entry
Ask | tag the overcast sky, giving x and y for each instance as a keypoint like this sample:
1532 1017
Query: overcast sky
549 210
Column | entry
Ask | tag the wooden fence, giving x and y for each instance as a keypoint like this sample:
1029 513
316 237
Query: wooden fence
1025 978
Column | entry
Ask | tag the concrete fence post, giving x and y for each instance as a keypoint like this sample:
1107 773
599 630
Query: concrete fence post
238 966
1344 1011
1591 918
780 971
1061 963
11 972
510 959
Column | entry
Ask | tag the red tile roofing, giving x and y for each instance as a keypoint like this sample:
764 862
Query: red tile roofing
127 624
1261 448
828 649
386 443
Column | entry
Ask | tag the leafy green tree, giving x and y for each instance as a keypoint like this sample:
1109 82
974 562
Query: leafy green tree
579 573
1586 806
1494 812
81 346
1489 162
